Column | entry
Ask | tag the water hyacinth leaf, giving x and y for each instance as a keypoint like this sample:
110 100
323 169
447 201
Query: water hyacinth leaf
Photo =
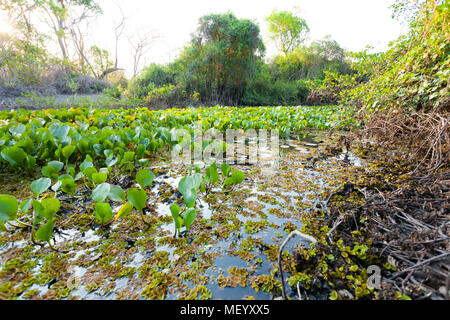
175 211
226 168
111 161
128 157
51 206
190 182
103 212
104 170
40 186
49 172
116 194
145 178
237 176
99 177
140 150
58 165
138 198
65 176
143 162
8 207
124 210
98 148
89 171
18 130
68 186
39 212
45 232
67 151
190 197
25 205
14 156
101 192
59 131
56 186
189 218
212 174
71 170
85 164
83 146
79 176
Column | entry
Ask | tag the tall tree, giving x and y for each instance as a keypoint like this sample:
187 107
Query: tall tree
63 15
222 56
287 30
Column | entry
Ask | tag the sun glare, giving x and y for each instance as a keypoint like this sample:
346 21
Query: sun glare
5 26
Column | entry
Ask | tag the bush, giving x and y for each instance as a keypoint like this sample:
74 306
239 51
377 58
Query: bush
332 90
170 95
113 92
263 93
152 77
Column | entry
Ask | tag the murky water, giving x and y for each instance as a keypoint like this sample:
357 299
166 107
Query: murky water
236 230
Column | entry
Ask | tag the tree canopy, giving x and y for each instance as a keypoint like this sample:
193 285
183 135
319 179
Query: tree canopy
287 30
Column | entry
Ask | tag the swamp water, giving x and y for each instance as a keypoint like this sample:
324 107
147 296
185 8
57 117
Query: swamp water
229 253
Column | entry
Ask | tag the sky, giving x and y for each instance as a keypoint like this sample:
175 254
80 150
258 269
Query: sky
354 24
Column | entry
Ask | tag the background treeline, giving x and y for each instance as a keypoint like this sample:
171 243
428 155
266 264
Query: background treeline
224 63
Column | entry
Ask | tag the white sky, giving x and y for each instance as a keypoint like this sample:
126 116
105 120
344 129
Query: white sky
353 23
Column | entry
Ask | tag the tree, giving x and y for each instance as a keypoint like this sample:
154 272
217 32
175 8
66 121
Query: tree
62 16
140 45
222 57
287 30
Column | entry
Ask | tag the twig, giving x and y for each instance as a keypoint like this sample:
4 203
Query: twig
435 258
289 237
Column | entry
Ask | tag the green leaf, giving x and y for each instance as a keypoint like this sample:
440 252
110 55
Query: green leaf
99 177
189 218
128 157
14 156
237 176
111 160
56 186
124 210
86 164
145 178
41 185
89 171
190 197
68 186
212 174
103 212
116 194
138 198
226 168
8 207
45 232
25 205
101 192
39 212
67 151
51 206
175 210
58 165
49 172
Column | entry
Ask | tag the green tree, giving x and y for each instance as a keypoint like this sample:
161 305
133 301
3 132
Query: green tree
287 30
222 57
62 15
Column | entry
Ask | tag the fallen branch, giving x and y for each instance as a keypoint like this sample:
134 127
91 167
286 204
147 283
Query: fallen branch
289 237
